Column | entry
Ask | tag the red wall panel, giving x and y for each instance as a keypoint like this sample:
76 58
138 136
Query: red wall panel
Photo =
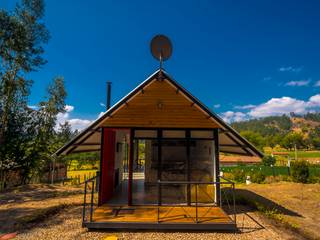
107 165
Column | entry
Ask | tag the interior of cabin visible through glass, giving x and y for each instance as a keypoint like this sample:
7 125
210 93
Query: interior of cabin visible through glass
165 155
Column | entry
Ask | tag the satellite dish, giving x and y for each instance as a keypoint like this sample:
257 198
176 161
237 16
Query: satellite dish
161 48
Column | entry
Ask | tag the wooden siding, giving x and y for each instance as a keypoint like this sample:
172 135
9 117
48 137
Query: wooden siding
160 105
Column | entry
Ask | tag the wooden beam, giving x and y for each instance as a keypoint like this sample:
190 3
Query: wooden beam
232 145
86 144
86 150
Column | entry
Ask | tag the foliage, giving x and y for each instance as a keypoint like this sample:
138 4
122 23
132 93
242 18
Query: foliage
268 160
300 171
258 177
267 126
28 137
239 175
255 138
83 161
293 139
278 131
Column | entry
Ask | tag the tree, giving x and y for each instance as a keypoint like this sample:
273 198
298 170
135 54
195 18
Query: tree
268 160
22 35
293 139
46 140
255 138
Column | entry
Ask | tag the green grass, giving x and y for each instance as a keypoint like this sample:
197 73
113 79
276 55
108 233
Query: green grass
82 173
305 154
268 171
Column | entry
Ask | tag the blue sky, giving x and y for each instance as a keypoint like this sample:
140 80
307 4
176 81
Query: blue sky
243 59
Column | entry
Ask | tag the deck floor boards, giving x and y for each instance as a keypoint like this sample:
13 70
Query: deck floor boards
168 214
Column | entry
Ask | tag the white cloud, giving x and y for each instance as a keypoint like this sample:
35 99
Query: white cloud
102 104
79 124
290 69
317 84
75 123
69 108
216 105
299 83
249 106
285 105
274 107
231 116
314 101
34 107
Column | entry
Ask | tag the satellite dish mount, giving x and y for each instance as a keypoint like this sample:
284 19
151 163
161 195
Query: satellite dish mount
161 48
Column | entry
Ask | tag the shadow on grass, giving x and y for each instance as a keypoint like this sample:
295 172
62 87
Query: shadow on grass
256 201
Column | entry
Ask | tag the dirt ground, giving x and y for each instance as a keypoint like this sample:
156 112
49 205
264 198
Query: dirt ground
30 203
54 212
298 203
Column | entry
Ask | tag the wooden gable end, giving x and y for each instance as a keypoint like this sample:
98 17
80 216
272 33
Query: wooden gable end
160 104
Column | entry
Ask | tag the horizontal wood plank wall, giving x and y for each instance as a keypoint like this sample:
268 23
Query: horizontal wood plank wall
160 105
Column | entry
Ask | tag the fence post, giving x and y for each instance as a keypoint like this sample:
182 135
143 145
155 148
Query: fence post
234 204
84 202
91 208
196 203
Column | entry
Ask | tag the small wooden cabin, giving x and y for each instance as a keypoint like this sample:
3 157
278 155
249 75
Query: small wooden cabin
159 167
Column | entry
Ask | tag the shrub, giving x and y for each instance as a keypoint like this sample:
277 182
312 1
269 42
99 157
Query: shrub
314 179
228 176
279 178
268 160
239 175
300 171
258 177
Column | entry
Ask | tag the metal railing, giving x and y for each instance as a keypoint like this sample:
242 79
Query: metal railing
91 187
224 199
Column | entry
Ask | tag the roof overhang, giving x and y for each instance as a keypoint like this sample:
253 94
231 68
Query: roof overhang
89 139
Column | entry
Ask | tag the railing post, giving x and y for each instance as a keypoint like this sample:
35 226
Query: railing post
92 194
84 202
158 201
234 204
196 203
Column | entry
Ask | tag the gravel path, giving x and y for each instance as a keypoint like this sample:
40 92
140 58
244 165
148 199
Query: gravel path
67 225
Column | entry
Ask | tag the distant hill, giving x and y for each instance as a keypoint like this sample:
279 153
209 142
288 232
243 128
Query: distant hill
280 124
302 130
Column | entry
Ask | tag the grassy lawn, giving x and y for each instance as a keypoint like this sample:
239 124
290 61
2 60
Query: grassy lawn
83 174
268 171
294 204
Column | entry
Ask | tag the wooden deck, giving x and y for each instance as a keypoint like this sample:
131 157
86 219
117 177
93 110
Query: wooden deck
170 217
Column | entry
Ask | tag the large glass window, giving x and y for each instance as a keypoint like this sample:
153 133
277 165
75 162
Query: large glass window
174 168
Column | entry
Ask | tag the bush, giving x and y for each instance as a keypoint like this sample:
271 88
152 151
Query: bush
228 176
258 177
268 160
300 171
314 179
239 175
279 178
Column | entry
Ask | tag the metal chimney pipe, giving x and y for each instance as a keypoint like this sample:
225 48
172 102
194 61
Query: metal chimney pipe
108 95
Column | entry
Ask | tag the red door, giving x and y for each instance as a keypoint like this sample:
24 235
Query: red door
107 165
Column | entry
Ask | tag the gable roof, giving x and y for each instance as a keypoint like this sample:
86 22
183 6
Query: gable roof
230 140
